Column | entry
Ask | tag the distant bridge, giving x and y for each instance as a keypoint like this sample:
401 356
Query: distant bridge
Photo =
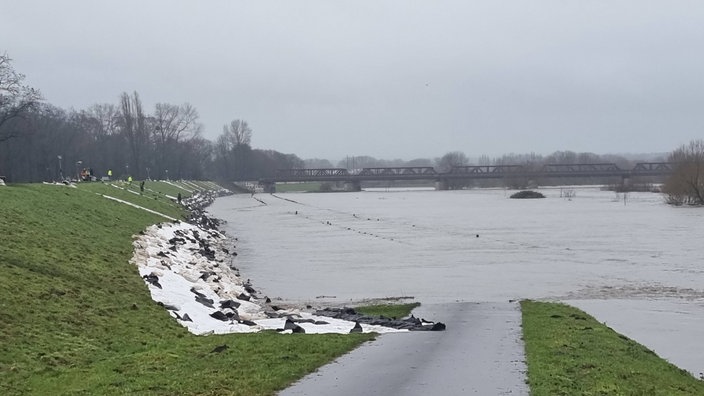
443 180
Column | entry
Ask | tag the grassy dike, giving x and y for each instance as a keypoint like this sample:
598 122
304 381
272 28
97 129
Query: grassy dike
570 353
76 318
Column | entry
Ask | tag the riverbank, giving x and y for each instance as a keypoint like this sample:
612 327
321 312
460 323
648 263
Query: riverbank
76 318
190 270
187 272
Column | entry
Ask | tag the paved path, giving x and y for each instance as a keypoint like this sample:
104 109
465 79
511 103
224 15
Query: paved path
480 353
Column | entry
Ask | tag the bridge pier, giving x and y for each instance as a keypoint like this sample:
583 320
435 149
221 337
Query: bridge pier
442 185
353 186
625 181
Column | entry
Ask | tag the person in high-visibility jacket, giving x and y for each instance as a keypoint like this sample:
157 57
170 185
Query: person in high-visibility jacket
129 179
110 174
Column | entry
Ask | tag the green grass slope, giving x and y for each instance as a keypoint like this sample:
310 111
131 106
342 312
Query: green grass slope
569 353
76 318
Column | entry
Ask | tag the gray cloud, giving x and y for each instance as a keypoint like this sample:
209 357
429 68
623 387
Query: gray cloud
384 78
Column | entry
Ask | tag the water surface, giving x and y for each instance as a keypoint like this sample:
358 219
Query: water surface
627 263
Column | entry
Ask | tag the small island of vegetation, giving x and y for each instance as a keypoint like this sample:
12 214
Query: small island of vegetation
526 194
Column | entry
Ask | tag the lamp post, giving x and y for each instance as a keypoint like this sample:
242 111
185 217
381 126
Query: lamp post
61 170
78 174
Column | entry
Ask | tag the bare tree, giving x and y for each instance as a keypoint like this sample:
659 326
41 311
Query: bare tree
103 146
133 124
561 157
223 159
176 122
360 162
317 163
233 150
453 158
419 162
447 162
196 158
15 98
238 132
105 119
686 185
484 160
174 127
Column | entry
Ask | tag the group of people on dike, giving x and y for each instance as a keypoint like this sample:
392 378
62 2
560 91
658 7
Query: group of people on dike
129 179
86 174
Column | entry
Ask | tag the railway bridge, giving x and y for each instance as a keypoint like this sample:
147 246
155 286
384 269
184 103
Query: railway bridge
445 180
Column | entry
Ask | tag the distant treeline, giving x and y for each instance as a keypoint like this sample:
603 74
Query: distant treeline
46 143
457 158
39 141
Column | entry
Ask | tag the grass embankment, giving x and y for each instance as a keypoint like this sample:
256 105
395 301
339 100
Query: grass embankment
570 353
76 318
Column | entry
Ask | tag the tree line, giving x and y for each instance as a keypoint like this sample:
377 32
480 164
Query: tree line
43 142
686 185
458 158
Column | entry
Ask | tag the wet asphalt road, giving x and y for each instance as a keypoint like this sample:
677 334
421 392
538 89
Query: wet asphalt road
480 353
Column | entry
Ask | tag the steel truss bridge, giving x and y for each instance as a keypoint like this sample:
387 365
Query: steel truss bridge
470 172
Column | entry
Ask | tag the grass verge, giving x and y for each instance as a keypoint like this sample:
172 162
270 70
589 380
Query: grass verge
570 353
76 318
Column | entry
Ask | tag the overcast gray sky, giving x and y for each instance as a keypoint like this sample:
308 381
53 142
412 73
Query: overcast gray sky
390 79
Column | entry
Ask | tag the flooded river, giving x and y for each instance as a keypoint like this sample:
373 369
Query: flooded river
633 262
